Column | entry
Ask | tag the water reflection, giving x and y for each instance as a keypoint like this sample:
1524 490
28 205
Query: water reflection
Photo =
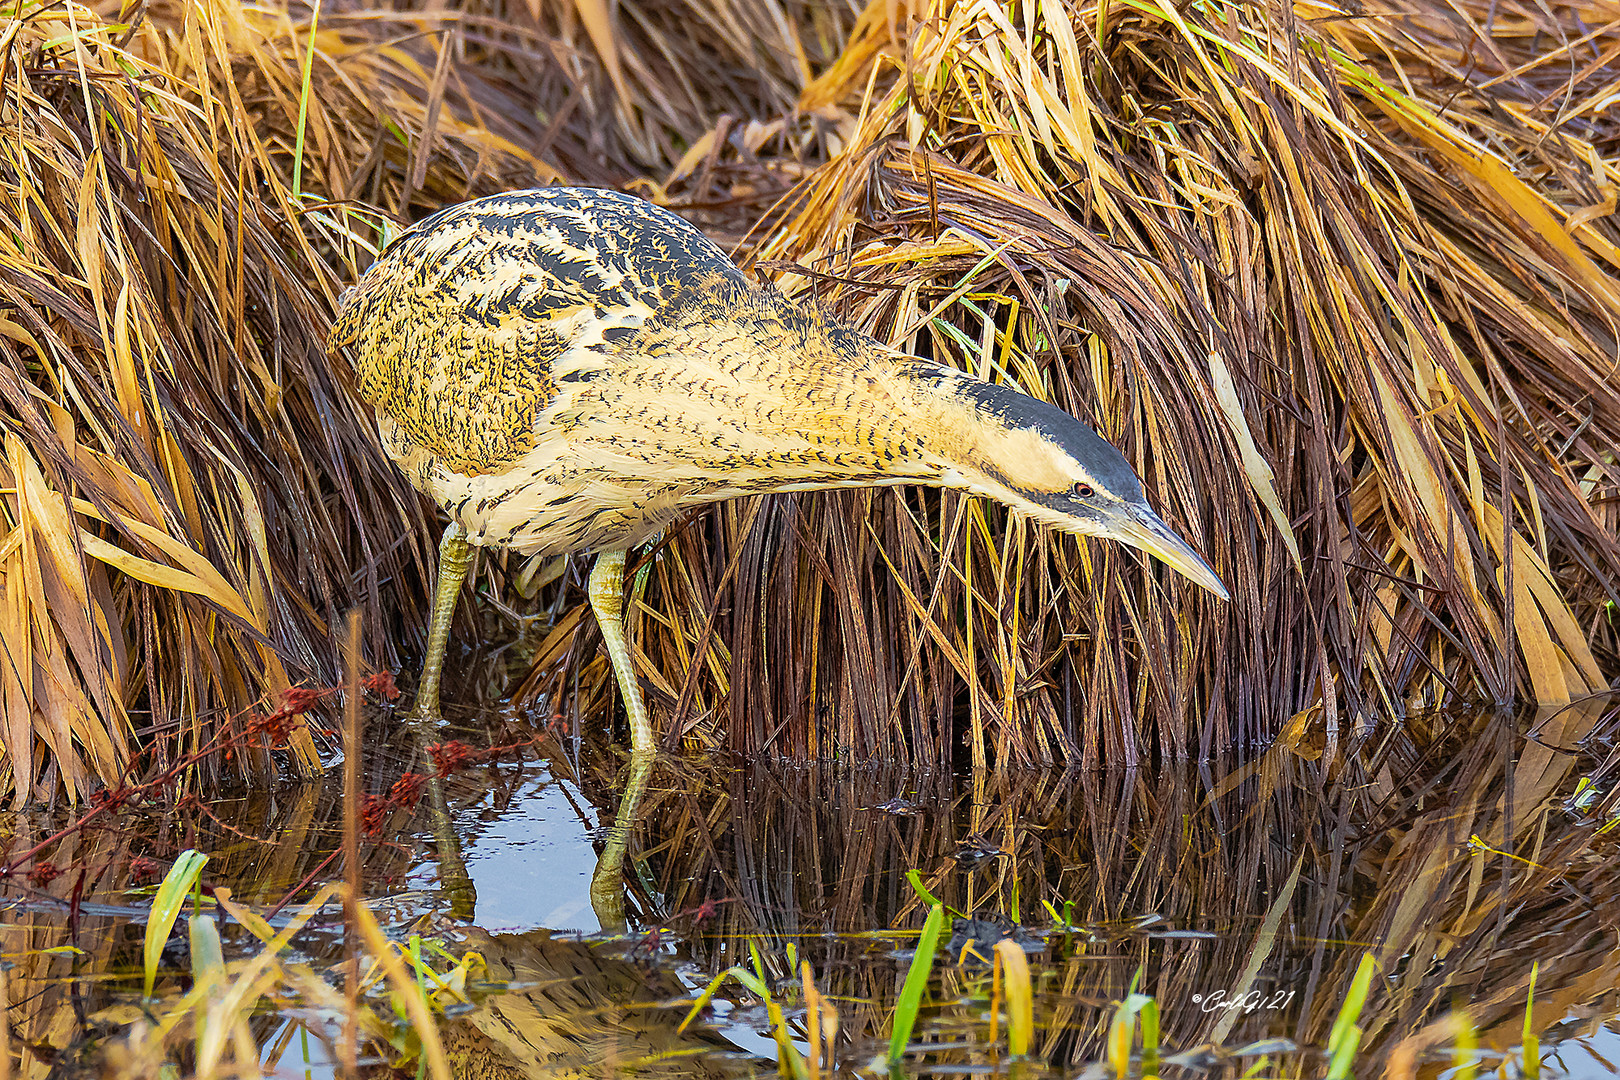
578 1010
1444 848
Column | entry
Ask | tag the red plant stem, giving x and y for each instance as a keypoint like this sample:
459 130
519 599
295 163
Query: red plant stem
215 745
302 885
11 867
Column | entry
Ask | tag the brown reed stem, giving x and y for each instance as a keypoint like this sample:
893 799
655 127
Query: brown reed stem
351 839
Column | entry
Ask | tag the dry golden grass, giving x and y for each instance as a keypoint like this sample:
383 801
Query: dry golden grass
191 496
1342 287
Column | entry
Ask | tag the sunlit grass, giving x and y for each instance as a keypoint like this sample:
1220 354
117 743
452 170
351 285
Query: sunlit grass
403 988
1011 987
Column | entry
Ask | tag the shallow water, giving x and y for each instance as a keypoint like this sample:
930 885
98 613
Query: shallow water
1446 849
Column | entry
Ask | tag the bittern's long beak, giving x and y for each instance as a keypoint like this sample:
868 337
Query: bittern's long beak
1141 528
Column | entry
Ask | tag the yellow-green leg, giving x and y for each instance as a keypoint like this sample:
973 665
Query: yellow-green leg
607 600
455 555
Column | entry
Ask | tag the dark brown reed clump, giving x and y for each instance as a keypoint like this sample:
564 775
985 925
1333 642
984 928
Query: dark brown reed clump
1343 290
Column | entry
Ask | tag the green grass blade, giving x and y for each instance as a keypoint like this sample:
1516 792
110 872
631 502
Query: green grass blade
303 103
708 993
1341 1038
752 983
1150 1038
1344 1054
1346 1036
759 962
789 1062
1530 1044
920 889
1122 1030
911 991
171 896
929 898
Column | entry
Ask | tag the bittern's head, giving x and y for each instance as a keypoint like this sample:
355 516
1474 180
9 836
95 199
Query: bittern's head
1043 462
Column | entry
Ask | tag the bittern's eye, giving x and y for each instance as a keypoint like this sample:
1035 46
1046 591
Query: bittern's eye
1083 491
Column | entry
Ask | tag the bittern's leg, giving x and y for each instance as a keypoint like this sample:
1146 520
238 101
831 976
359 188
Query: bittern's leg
607 600
455 555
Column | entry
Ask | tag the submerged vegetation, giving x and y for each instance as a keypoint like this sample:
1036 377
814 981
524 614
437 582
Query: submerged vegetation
1342 288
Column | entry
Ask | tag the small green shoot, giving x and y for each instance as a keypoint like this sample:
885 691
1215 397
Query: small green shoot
1530 1043
911 991
1065 918
789 1060
1122 1030
759 962
1586 793
1346 1036
171 896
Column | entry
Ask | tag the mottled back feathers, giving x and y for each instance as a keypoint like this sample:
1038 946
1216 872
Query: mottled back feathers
466 323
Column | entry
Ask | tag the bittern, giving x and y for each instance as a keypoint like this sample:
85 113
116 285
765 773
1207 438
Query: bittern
565 370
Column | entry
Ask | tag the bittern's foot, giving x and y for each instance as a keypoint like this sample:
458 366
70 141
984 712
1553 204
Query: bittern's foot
423 721
423 717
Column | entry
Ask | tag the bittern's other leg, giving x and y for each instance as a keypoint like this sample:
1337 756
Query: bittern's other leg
455 555
607 600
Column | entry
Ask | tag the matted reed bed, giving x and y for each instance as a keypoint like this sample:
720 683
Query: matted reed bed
1341 284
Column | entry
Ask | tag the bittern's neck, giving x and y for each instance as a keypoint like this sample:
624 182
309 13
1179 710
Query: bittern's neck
761 396
971 433
846 411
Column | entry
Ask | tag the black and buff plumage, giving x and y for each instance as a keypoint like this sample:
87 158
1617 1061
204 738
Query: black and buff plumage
566 370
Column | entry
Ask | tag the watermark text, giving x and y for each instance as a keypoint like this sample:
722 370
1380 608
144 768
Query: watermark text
1253 1001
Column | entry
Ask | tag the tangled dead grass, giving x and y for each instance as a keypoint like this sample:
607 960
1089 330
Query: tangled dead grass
1343 288
1342 285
